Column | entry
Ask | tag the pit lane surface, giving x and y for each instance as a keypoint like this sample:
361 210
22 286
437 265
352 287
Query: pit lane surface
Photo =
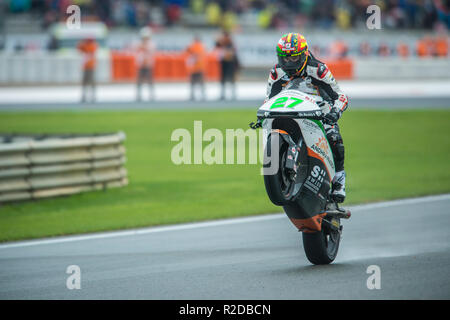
250 258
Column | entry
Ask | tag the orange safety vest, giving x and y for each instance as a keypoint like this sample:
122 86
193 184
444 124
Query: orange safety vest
88 49
441 47
403 50
196 58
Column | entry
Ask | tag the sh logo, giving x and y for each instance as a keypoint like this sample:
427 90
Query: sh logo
318 173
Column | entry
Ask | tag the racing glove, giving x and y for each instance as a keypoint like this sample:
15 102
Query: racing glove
341 103
332 117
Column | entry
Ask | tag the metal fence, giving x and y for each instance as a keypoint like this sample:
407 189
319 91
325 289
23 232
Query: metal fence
33 167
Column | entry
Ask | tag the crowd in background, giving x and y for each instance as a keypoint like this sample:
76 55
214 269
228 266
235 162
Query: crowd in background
238 15
235 14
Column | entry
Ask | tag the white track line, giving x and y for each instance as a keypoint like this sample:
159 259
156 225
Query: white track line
215 223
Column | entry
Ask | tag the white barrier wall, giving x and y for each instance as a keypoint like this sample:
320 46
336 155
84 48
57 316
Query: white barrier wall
42 67
399 68
47 68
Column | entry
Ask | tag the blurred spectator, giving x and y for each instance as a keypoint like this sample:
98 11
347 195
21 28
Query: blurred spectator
443 12
317 50
441 46
341 14
338 49
365 49
229 20
403 50
19 5
196 66
88 49
173 14
343 18
228 62
52 44
384 50
145 60
432 47
425 47
197 6
213 13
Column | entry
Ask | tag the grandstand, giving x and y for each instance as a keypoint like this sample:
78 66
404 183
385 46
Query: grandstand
336 32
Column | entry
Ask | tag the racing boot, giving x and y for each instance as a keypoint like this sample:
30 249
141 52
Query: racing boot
338 193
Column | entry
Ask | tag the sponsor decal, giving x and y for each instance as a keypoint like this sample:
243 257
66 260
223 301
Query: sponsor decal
322 71
322 144
323 154
281 102
315 179
335 223
308 81
274 74
311 125
309 99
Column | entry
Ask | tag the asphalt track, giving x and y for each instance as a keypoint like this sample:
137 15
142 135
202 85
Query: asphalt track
250 258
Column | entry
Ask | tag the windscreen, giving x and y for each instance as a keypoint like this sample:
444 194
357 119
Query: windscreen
296 84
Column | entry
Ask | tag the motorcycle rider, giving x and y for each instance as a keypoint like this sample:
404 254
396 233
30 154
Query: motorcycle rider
295 61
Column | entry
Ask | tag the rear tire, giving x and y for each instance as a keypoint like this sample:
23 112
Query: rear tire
321 247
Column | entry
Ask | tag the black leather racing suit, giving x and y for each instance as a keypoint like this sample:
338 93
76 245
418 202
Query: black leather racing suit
319 81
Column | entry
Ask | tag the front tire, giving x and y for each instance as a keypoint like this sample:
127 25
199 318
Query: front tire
275 183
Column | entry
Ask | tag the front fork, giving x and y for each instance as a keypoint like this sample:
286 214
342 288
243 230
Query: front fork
292 161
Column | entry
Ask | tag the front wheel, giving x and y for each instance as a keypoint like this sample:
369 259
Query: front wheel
277 183
321 247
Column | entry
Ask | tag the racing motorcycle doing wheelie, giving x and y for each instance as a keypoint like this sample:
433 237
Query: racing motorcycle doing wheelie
299 168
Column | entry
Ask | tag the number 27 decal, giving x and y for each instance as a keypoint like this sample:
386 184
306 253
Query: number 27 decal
281 102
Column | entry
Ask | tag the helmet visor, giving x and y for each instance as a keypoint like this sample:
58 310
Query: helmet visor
289 59
292 64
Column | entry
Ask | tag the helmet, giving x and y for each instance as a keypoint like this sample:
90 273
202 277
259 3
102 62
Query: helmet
292 52
145 32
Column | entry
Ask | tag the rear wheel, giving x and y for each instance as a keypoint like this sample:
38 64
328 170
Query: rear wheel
321 247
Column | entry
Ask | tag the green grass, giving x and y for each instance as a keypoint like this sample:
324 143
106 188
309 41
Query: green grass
389 155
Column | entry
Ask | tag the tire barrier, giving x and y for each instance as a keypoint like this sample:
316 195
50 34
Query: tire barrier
41 166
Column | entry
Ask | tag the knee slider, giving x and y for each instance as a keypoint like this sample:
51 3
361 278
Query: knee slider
337 146
338 154
340 151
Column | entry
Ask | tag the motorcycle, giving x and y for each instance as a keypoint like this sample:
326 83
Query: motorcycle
299 168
